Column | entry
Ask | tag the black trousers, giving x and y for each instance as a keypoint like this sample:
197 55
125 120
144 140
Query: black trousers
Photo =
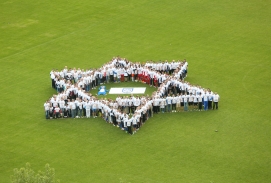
53 83
103 79
215 106
200 105
151 81
130 129
174 107
114 120
210 104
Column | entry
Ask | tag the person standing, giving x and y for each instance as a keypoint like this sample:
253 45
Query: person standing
84 102
185 102
56 112
125 73
200 97
51 111
181 101
111 115
87 107
162 104
215 99
155 105
195 102
169 102
174 101
125 122
65 112
138 118
178 104
151 76
134 123
93 83
190 101
111 73
76 104
88 82
119 119
103 73
130 105
73 108
129 125
210 99
136 102
52 75
205 100
80 108
94 108
62 105
46 109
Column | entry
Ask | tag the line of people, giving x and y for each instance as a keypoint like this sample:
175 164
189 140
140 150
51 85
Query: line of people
128 113
119 70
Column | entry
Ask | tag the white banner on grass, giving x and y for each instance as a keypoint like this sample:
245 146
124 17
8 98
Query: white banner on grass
127 90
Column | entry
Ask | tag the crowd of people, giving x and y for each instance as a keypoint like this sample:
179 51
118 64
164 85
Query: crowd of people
129 113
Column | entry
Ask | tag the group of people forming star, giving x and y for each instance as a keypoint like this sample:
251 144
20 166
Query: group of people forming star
129 113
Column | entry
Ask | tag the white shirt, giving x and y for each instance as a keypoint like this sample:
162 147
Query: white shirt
195 99
191 97
169 100
185 97
174 100
205 96
88 105
215 97
62 104
73 105
46 106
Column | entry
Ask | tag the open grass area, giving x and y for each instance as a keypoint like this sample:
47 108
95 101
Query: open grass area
227 45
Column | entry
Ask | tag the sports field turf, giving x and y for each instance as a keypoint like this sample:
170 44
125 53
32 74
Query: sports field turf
227 45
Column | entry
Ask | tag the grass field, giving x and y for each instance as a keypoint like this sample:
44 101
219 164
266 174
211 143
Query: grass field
227 45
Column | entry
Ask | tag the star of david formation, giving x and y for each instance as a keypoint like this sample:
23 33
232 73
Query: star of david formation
129 113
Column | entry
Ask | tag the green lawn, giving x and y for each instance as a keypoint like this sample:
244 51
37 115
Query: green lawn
227 45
